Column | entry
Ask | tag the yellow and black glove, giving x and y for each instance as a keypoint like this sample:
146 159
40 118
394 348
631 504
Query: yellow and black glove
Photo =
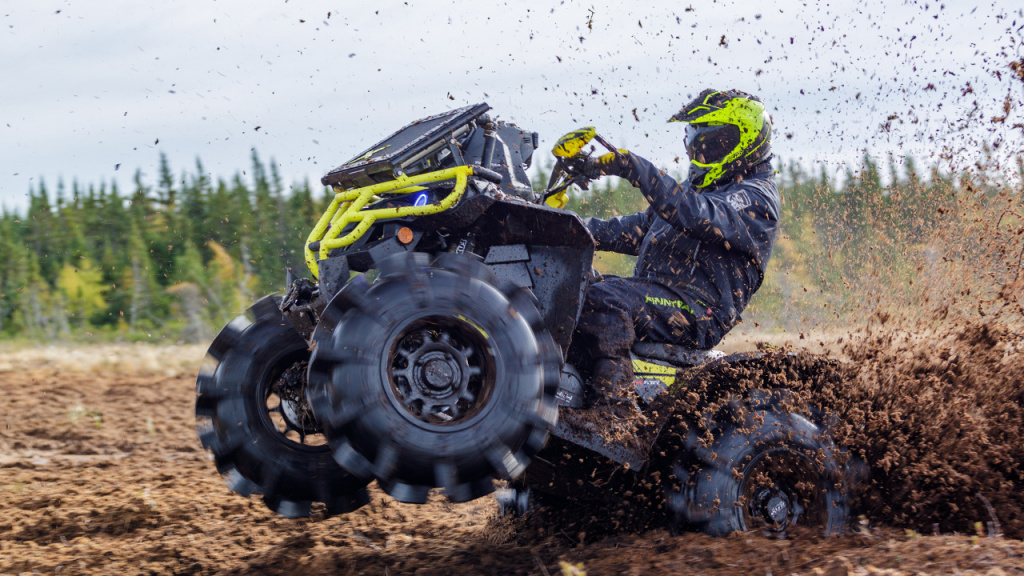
570 148
578 166
610 164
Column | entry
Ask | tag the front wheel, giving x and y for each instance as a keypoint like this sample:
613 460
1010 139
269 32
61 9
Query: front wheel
759 466
433 377
251 412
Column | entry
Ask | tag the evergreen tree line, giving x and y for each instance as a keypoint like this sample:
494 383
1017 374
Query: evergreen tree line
172 260
179 259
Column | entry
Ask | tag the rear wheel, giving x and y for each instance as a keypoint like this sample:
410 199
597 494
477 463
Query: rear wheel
433 377
759 467
251 412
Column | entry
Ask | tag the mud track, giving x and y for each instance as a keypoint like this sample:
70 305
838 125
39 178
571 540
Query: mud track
101 473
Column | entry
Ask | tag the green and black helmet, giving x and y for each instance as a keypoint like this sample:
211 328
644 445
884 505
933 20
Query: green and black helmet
727 133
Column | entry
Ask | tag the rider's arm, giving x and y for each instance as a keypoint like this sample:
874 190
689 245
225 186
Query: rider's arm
738 217
622 234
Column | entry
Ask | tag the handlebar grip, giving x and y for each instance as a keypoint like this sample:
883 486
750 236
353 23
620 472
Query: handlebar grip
487 174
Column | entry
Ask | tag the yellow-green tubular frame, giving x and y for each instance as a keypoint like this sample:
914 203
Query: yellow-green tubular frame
347 207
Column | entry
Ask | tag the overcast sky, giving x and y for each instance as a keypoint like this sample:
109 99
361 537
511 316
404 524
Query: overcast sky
94 90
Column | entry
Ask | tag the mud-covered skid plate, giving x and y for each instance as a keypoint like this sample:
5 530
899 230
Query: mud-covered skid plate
574 430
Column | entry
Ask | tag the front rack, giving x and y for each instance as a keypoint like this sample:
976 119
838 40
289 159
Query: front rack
347 207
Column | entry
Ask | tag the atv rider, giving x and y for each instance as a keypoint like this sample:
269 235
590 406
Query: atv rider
703 244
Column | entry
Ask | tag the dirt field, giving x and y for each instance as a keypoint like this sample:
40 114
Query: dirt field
101 473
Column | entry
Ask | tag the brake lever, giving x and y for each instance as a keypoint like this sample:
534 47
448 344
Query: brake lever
562 171
608 145
582 182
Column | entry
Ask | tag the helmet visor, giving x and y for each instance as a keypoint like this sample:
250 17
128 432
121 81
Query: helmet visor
711 144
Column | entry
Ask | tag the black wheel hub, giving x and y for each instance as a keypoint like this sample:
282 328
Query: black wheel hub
773 505
777 488
288 408
437 371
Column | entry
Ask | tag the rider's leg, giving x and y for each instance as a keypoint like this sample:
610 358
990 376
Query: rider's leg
606 328
619 311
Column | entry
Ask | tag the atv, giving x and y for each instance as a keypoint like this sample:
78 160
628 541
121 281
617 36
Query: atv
433 348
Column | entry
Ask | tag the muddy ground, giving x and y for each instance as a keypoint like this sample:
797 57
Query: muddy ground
101 473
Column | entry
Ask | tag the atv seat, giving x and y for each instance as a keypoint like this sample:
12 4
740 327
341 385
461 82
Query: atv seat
677 355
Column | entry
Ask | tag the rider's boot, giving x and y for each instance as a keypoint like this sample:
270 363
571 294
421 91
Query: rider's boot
611 388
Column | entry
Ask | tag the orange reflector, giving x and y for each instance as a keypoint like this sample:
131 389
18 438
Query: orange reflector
404 235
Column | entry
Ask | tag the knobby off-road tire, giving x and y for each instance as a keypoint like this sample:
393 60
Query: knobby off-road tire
433 377
765 468
252 414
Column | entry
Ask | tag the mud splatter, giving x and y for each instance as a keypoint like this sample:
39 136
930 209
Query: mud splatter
148 500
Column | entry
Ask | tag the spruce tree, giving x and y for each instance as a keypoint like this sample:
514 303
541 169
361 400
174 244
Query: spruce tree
81 288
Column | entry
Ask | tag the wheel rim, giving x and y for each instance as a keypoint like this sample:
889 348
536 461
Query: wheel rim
782 489
285 408
441 370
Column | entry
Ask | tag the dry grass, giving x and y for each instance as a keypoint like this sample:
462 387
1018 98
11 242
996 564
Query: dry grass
816 341
129 359
176 360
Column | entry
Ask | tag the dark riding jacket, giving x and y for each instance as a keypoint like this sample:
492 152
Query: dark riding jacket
712 245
